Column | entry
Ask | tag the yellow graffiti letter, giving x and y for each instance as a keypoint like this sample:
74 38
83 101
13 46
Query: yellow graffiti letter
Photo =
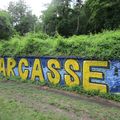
2 66
54 75
37 70
72 79
23 74
11 63
87 75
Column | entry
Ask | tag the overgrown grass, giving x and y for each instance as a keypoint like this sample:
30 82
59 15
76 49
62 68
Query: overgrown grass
105 45
77 89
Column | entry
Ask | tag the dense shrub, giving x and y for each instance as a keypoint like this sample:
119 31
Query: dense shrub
105 45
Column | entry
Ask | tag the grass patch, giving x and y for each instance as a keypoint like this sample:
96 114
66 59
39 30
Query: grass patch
13 110
22 101
77 89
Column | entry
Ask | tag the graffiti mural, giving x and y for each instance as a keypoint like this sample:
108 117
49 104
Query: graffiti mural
72 71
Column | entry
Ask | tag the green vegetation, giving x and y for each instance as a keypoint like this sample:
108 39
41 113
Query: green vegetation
102 14
77 89
23 20
69 17
16 110
6 28
66 21
101 46
24 101
80 90
66 17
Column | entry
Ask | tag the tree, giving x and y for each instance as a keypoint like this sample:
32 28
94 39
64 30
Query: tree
80 17
27 24
67 17
6 28
23 19
102 14
49 20
57 18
